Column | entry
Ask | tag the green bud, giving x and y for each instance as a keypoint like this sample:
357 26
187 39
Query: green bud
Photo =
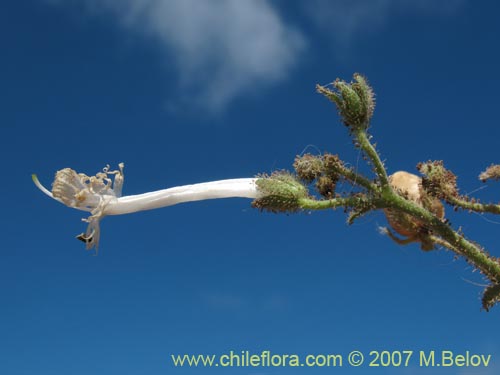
351 105
280 192
366 95
355 101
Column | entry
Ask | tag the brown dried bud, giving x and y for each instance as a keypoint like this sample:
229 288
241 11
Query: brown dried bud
491 296
332 166
491 173
438 181
326 187
308 167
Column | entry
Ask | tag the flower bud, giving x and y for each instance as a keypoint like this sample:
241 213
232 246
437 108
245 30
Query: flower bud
308 167
326 187
438 181
280 192
491 173
332 166
491 296
355 101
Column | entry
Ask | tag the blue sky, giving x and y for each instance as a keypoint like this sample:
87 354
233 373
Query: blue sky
191 91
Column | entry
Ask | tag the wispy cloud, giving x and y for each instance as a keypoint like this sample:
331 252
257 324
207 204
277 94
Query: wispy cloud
345 20
221 49
225 49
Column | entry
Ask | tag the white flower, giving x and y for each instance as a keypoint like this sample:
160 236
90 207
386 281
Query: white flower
101 196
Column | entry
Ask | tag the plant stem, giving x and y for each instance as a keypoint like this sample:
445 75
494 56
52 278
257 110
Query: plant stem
367 147
352 201
357 179
459 244
477 207
443 234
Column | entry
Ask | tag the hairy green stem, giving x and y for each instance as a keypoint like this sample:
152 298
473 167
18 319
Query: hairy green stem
348 202
459 244
367 147
477 207
443 234
473 253
439 241
358 179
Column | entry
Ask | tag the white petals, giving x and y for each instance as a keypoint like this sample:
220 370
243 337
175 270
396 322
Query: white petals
70 188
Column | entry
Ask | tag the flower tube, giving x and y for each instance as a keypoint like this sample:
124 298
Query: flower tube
101 196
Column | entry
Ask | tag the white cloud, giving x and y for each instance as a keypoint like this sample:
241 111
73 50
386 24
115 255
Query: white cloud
225 49
346 19
222 49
